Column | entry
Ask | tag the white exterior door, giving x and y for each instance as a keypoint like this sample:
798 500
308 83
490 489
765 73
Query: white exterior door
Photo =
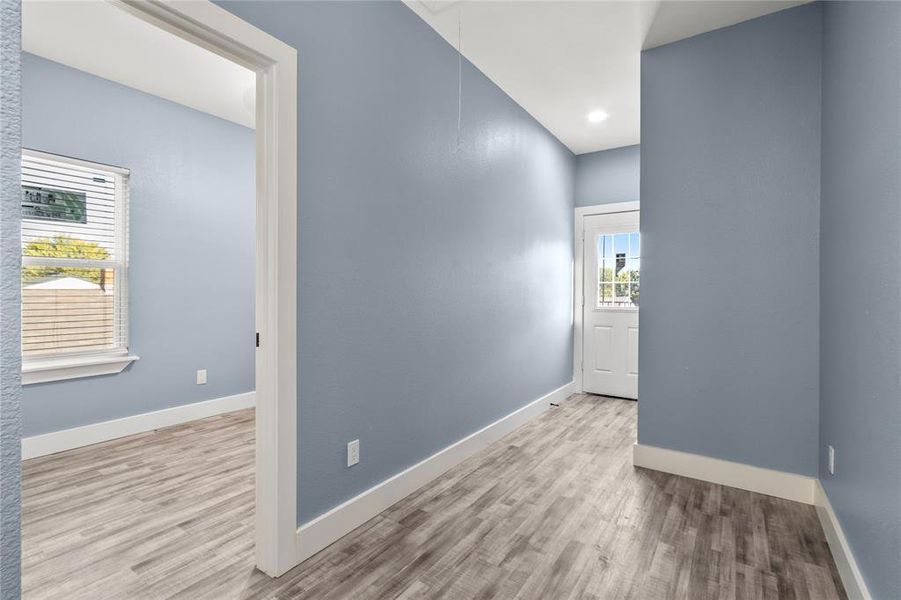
612 266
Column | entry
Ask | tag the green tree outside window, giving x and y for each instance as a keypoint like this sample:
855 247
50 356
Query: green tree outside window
62 246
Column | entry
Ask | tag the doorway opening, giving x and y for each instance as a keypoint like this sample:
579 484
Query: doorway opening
607 298
270 340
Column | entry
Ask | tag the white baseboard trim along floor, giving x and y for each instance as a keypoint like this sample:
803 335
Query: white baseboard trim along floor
738 475
67 439
341 520
855 586
780 484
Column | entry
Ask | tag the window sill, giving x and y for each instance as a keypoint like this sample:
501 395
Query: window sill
58 369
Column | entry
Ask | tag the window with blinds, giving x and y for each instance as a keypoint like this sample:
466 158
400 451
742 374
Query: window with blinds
74 257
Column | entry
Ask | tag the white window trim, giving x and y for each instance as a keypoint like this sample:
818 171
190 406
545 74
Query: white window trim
60 368
72 365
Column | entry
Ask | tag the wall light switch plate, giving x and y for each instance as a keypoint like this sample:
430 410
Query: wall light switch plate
831 460
201 376
353 453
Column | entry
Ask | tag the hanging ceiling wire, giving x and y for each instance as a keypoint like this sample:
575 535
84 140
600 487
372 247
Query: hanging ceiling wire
459 73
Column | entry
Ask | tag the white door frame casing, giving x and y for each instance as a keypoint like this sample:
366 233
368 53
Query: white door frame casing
579 275
275 63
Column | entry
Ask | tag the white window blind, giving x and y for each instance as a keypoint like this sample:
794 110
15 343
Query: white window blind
74 257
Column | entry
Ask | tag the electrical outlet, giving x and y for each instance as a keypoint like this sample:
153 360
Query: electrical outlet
831 460
353 453
201 376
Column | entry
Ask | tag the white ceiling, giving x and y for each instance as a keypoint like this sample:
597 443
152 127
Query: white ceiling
558 59
101 39
561 59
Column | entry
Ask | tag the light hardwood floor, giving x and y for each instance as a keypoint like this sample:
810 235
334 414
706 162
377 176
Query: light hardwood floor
554 510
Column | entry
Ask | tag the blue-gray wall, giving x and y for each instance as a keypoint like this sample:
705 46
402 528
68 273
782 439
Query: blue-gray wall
860 283
608 176
730 154
10 349
191 268
435 278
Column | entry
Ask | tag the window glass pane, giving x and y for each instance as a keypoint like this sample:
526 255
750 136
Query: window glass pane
67 309
606 293
633 272
621 243
619 269
607 271
620 263
634 245
608 246
621 289
70 206
64 246
74 247
633 265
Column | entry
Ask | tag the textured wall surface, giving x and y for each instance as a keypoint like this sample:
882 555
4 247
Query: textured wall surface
730 148
860 283
435 265
10 390
191 261
608 176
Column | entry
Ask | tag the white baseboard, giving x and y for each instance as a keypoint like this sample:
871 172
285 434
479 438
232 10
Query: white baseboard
855 586
738 475
341 520
764 481
67 439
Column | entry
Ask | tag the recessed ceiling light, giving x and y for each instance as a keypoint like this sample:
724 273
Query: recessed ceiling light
597 116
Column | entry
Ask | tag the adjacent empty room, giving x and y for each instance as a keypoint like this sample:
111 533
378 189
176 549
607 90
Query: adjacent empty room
138 245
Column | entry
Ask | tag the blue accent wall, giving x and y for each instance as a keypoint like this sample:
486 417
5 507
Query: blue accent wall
730 177
860 283
435 264
191 268
608 176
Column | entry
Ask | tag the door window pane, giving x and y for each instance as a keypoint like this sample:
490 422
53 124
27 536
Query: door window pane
619 269
606 294
607 271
